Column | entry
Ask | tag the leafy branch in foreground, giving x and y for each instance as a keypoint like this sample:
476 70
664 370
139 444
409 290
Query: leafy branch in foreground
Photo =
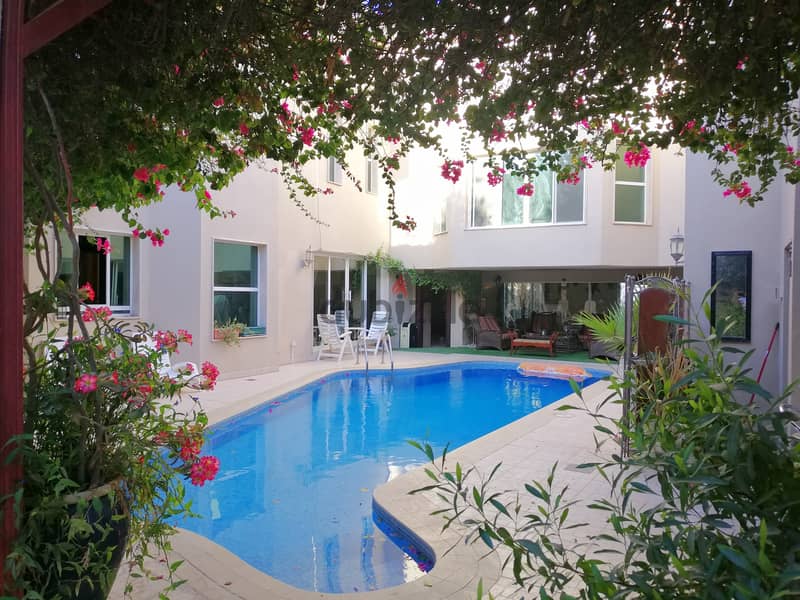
706 506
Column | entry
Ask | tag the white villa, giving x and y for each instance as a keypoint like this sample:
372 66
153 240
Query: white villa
563 250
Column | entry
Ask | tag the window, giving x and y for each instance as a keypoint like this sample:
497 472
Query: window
334 171
731 300
372 176
440 215
110 275
629 193
501 206
238 286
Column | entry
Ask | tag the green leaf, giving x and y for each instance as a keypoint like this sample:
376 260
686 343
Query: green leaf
734 556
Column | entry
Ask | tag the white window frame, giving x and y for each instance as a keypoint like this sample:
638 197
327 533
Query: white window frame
645 197
526 206
116 309
334 171
259 289
371 178
440 216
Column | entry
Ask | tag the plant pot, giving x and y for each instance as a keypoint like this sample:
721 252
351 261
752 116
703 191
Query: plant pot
105 509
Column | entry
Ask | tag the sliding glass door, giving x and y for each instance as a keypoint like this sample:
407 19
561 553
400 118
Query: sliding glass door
347 285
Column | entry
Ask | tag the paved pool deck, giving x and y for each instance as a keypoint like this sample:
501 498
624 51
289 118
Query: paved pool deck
527 449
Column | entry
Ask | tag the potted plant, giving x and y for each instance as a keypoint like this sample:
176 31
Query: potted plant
109 439
229 331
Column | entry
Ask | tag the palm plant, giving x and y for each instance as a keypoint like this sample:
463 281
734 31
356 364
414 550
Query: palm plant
608 328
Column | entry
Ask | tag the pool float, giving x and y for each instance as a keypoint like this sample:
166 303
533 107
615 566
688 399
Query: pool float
539 369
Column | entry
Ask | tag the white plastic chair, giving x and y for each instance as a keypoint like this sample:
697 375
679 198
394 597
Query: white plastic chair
341 321
164 367
333 343
377 335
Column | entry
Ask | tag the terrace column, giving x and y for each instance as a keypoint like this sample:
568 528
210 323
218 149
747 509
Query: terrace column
10 258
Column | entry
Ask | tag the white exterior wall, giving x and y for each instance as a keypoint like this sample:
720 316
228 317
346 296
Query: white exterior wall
353 223
718 223
172 285
597 242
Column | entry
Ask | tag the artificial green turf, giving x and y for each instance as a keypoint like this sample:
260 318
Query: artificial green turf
581 356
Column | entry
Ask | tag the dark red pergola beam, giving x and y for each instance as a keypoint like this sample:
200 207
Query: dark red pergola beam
55 20
18 39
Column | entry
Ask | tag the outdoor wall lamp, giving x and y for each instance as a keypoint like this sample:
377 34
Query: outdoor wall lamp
676 243
308 258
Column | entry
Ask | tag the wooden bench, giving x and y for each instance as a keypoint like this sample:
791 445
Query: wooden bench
544 343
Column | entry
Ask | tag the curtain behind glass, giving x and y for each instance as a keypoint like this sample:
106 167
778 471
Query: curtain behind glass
540 205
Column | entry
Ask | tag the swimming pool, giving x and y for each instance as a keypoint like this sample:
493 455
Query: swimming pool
294 493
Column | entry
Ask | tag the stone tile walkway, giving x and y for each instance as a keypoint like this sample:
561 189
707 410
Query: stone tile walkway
526 448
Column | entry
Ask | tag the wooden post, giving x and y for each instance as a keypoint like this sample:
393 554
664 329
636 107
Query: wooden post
10 260
18 39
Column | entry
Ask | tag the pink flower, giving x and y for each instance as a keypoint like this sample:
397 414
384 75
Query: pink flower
142 174
498 132
244 129
307 135
573 178
219 102
165 232
295 74
690 125
637 159
86 383
87 291
176 69
617 128
103 245
204 470
165 340
451 170
495 177
207 194
740 65
585 162
525 189
740 190
210 372
733 148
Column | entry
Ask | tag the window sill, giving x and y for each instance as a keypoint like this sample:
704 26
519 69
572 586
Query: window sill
526 226
252 332
115 316
635 223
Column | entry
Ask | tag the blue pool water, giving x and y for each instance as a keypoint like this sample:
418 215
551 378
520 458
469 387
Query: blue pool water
294 493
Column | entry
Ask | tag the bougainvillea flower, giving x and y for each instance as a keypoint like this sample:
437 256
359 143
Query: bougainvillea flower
526 189
142 174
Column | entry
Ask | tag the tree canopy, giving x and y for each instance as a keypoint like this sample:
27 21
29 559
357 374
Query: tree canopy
148 94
